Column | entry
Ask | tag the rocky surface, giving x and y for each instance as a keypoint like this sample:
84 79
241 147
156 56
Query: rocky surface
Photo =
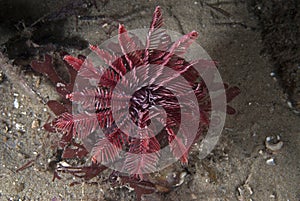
241 167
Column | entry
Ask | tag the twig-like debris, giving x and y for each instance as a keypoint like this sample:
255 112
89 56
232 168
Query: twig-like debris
73 8
18 81
220 10
241 24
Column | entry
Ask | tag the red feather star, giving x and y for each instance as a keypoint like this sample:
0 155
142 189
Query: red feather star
141 148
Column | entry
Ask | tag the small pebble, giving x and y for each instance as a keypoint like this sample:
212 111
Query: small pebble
289 103
181 178
273 196
273 143
272 74
59 84
1 77
35 124
20 127
271 161
16 103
